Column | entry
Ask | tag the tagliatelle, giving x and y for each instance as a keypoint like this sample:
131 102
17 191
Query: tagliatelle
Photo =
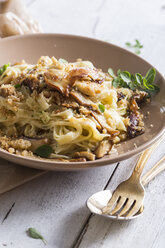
73 105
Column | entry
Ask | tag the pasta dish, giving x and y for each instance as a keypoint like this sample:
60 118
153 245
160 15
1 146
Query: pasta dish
67 111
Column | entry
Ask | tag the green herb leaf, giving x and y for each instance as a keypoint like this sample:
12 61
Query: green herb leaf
135 47
63 61
17 86
137 51
126 80
3 68
139 78
101 108
150 76
115 82
128 44
111 72
125 76
44 151
33 233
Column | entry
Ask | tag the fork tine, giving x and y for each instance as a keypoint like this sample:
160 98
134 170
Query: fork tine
134 209
111 203
126 207
119 205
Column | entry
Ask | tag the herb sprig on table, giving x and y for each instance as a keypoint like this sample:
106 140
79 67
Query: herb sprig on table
127 80
135 47
33 233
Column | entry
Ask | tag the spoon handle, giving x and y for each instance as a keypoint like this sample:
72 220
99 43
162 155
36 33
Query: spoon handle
144 158
154 171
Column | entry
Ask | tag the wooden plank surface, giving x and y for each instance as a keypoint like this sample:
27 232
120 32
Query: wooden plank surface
55 203
146 231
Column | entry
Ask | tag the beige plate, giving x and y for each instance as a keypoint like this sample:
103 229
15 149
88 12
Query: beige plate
103 55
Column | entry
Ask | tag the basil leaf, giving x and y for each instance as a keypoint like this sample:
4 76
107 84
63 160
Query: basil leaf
101 108
63 61
33 233
111 72
43 151
125 76
3 68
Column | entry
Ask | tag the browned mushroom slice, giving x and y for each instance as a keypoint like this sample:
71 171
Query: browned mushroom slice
136 126
84 73
70 104
133 105
36 142
103 148
53 81
78 160
101 120
140 96
81 99
87 155
88 88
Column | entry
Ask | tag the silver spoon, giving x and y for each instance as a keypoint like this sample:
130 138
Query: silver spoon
99 200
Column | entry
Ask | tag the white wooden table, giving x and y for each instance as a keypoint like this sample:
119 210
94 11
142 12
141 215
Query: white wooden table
55 202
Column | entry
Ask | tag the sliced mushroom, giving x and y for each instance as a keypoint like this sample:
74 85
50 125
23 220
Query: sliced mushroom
133 105
88 88
84 73
81 99
101 120
140 96
120 96
78 160
37 142
53 81
69 104
136 126
87 155
104 147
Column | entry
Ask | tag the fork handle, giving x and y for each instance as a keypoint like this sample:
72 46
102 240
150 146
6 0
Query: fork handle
154 171
144 158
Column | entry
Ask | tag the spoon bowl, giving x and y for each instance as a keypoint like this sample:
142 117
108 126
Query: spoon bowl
98 201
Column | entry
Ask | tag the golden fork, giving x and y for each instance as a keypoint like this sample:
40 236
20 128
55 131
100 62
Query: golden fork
128 197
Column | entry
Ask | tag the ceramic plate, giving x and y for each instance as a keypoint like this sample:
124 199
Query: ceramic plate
103 55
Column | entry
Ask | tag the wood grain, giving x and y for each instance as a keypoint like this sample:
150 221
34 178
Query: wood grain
101 232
